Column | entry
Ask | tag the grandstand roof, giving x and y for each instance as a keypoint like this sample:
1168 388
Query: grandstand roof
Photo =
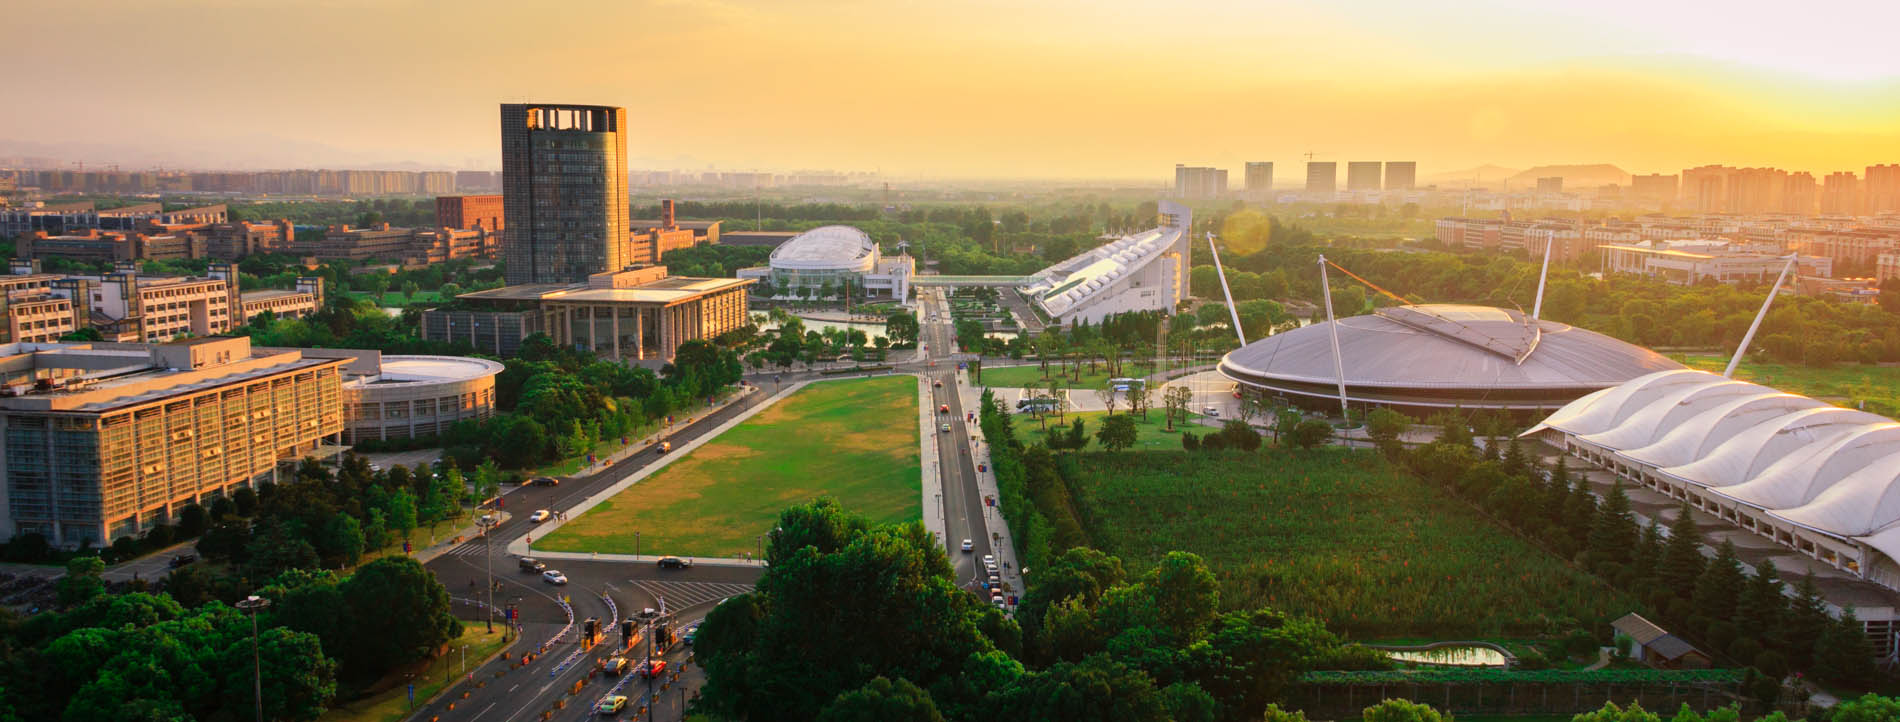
1821 467
1075 281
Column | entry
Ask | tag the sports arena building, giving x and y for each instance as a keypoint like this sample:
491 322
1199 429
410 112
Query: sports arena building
838 256
1424 358
1147 271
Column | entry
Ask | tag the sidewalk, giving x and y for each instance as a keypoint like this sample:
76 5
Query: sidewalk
1002 543
932 476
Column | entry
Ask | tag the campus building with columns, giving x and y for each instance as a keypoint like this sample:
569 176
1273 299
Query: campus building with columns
640 314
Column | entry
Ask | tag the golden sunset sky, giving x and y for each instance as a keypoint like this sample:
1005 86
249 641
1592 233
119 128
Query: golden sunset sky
1097 89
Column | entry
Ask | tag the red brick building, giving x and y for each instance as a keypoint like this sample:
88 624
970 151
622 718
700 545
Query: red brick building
460 212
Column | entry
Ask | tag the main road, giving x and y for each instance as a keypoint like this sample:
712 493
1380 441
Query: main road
610 591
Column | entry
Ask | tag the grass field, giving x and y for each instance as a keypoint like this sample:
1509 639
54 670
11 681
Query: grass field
1011 377
1339 535
853 440
392 704
1844 384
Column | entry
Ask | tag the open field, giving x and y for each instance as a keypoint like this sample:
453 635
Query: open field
1843 384
1337 534
853 440
1025 376
392 704
1150 435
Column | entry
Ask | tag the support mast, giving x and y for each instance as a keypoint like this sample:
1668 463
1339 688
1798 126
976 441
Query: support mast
1232 311
1332 324
1749 337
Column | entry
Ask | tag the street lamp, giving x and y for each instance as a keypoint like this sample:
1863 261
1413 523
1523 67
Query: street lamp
255 604
487 523
636 544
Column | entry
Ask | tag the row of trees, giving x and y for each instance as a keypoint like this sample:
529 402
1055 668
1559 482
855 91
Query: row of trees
1749 618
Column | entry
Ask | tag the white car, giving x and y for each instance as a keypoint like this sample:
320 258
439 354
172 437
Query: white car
969 546
989 560
553 577
540 515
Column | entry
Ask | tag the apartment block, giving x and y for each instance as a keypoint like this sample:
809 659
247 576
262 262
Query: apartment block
1364 175
1322 177
106 440
1199 183
1401 175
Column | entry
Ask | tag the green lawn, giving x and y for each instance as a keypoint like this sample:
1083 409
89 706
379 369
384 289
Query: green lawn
392 704
1844 384
1337 534
855 440
1151 434
1014 377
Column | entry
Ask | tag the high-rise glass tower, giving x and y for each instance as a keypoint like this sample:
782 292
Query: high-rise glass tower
564 195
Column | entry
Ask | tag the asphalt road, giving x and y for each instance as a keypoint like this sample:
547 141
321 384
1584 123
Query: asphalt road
610 591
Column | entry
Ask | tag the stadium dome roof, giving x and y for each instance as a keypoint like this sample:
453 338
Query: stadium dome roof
1445 355
826 248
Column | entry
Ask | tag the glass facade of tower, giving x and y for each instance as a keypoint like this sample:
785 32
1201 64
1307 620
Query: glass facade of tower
564 174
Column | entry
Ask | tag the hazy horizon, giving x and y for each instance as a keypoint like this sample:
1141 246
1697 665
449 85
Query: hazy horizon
1104 90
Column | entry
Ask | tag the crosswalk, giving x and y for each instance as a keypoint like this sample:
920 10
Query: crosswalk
473 549
685 594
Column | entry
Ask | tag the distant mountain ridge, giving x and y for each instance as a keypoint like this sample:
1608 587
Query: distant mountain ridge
1576 177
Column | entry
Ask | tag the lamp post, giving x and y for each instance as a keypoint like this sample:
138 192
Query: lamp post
255 604
636 544
487 523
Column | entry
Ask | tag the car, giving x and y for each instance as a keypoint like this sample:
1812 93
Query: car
531 565
995 581
651 668
375 467
968 546
936 384
692 632
945 428
611 704
617 666
665 446
540 515
554 577
1211 411
182 560
544 481
989 560
998 601
944 409
674 563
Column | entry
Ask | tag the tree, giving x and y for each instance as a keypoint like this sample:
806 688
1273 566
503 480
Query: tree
1311 433
1098 688
1117 433
1108 396
1716 592
1842 654
1682 560
341 543
399 614
1613 532
401 511
1612 713
1384 426
193 520
1403 710
1250 657
1868 707
245 500
1176 399
902 327
1140 397
880 700
298 680
81 583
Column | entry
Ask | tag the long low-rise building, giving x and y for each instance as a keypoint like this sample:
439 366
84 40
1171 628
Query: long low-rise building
100 441
640 314
1687 263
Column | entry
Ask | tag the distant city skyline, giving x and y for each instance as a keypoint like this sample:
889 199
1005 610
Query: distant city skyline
1060 94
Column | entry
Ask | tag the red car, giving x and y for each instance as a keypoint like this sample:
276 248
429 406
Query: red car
944 409
651 668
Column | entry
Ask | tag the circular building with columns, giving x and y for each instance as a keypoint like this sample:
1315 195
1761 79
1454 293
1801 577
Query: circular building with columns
835 257
405 397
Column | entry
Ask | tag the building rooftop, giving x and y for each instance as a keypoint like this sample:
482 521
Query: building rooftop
666 291
426 369
102 377
825 246
270 293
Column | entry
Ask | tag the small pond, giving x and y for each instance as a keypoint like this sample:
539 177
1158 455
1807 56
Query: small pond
1451 655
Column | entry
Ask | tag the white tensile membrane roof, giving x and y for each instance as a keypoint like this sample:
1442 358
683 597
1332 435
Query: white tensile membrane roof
1820 467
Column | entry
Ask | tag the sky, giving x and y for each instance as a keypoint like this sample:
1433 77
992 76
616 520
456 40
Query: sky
1115 89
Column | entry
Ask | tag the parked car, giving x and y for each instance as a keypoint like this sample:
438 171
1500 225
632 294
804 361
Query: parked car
531 565
611 704
554 577
674 563
182 560
968 546
989 560
540 515
1211 411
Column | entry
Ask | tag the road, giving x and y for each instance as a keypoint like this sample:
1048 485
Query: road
613 590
